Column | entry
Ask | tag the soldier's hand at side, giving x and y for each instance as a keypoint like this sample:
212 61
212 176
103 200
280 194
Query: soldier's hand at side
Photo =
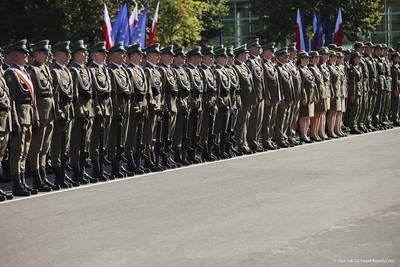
119 118
332 97
396 93
316 102
100 118
304 102
353 98
62 122
267 102
36 126
16 130
254 106
83 120
282 104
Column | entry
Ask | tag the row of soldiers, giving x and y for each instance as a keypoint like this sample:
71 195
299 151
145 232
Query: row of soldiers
142 107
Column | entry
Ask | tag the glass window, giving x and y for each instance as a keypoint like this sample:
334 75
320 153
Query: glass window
393 6
229 28
393 39
382 3
242 41
381 26
255 27
231 12
378 38
393 22
228 42
242 11
242 27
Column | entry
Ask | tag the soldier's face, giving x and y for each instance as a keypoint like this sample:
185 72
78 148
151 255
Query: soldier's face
179 60
325 57
369 50
154 58
385 51
230 61
378 51
255 50
268 53
292 54
167 59
99 57
119 57
360 50
208 59
195 60
136 58
221 61
396 59
305 60
41 56
283 58
314 60
357 60
339 60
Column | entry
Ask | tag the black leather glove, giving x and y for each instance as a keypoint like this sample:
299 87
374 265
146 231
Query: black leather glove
160 113
212 109
62 122
36 126
224 108
140 115
195 111
83 120
16 130
119 118
100 118
185 112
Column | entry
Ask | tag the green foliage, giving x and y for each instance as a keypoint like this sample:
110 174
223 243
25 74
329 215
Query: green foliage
279 17
211 18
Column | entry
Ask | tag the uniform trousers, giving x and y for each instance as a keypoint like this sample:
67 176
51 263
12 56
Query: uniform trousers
40 145
255 124
95 138
269 123
76 139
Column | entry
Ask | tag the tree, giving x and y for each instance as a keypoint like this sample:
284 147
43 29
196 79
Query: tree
279 17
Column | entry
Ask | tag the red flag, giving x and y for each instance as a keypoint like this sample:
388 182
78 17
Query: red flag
133 19
337 39
153 26
107 29
300 43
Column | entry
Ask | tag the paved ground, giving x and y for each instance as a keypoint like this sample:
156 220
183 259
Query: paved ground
334 203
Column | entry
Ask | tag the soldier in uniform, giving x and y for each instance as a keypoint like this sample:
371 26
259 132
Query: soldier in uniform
170 90
138 109
5 126
355 89
273 96
248 97
209 102
257 114
298 93
183 105
103 111
395 73
388 90
154 83
63 92
380 86
342 93
194 58
45 114
22 116
320 87
360 48
8 60
283 114
372 89
121 97
335 105
326 97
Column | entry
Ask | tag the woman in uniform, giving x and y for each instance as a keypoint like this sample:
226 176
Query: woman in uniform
342 94
308 89
319 106
325 97
336 103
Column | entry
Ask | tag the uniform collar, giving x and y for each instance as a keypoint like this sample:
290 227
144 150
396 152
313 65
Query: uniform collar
119 66
62 66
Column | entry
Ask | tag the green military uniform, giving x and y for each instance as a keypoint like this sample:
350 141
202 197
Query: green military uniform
103 110
195 102
319 80
274 94
372 83
335 87
248 97
308 89
183 106
395 105
45 113
5 116
385 108
257 113
22 117
138 109
355 87
380 88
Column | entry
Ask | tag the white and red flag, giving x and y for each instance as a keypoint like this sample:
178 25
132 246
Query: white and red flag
133 19
300 42
107 29
337 39
153 26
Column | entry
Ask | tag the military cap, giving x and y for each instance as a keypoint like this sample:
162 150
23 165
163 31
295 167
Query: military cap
347 52
5 49
384 46
355 54
390 49
229 51
168 50
100 47
313 54
29 47
253 43
332 53
339 54
194 52
323 50
41 46
269 46
378 46
367 44
118 47
218 47
144 52
18 46
358 44
208 50
396 54
50 51
282 52
180 51
332 46
240 49
154 48
221 52
339 48
63 47
302 54
292 47
78 46
136 48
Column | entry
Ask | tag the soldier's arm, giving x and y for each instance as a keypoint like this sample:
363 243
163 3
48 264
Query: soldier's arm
12 85
96 105
34 80
78 109
114 100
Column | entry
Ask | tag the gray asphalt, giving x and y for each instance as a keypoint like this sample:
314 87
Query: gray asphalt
334 203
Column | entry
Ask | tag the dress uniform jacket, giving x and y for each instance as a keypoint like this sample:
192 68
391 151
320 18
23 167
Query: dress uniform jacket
372 74
326 74
248 95
235 88
140 89
210 87
285 81
5 114
223 86
319 81
335 83
183 86
271 83
196 85
381 72
82 81
308 85
121 89
298 91
168 78
257 71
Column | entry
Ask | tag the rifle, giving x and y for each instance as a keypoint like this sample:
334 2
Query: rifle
120 148
166 128
158 147
211 135
83 153
185 140
224 134
195 137
101 148
139 146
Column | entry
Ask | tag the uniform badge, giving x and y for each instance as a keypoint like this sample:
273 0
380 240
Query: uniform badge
30 72
248 63
52 76
72 74
10 78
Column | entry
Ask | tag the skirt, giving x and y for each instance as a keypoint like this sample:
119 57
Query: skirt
344 104
321 106
306 110
336 104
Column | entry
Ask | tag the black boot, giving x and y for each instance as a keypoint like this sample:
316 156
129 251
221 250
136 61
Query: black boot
43 175
177 158
96 172
148 163
76 176
130 166
172 162
89 178
18 189
22 178
115 169
60 178
38 183
165 162
193 158
126 172
7 196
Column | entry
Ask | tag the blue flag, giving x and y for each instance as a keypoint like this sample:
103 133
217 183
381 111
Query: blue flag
328 31
320 31
303 22
120 30
138 34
